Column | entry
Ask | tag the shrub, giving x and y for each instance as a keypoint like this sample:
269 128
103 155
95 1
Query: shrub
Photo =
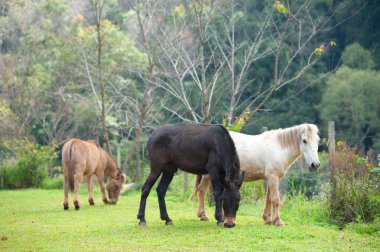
355 192
29 167
53 183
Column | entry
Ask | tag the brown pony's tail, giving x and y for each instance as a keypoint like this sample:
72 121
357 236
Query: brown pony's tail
66 158
194 194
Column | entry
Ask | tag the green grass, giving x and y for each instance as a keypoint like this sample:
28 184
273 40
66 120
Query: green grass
34 220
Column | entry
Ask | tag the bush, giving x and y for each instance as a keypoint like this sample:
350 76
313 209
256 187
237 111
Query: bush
29 167
355 187
53 183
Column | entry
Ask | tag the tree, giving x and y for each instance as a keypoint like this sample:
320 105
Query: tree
351 100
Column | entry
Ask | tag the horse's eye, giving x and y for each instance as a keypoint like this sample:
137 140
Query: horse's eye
304 141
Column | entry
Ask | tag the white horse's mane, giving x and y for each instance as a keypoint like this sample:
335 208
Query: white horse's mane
290 137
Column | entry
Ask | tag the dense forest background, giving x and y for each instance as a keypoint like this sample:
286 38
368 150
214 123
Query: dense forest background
114 70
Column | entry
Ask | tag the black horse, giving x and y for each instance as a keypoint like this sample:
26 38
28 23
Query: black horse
198 149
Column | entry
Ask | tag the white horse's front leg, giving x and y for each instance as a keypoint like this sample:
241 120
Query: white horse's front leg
267 215
273 182
202 189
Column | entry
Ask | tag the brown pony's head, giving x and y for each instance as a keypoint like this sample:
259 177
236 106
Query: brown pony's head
231 199
114 186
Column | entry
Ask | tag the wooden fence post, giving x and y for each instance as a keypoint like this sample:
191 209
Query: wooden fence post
185 182
331 145
118 157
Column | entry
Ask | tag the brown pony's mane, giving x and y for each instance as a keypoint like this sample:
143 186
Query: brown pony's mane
111 168
290 137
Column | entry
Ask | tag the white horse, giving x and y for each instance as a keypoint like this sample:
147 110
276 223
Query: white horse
268 156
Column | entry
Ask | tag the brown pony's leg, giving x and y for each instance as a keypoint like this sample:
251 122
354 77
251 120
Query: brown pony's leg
66 192
101 185
90 189
202 189
76 190
273 182
267 215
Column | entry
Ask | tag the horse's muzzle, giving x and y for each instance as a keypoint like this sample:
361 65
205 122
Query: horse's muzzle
314 167
229 222
112 202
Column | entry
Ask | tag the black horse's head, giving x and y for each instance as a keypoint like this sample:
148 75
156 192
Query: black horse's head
231 199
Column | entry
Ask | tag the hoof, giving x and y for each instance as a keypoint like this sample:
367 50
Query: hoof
269 222
65 206
204 218
76 204
105 201
278 223
91 201
142 224
169 223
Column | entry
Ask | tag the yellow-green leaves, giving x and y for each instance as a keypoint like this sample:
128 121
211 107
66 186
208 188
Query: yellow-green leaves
319 50
280 7
179 11
322 49
239 122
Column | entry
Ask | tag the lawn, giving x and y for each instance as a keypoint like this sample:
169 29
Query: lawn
34 220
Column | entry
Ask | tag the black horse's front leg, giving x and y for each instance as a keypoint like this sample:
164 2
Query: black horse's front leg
218 190
152 178
161 192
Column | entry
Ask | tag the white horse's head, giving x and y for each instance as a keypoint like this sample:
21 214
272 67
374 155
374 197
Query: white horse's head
309 146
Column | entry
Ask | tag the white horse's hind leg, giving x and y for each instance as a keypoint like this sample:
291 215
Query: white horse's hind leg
202 189
273 182
267 215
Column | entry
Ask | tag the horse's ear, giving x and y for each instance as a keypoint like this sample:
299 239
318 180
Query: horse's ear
124 177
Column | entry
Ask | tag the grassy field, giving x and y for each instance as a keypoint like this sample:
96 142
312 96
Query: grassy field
34 220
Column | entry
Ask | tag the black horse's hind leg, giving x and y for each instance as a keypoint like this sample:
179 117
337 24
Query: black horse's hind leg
161 191
152 178
217 191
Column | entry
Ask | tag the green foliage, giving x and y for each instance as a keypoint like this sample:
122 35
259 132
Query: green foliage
280 7
252 192
53 183
240 121
355 194
29 168
351 100
356 57
365 228
304 209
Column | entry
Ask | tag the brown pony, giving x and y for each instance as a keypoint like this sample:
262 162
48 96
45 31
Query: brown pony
85 158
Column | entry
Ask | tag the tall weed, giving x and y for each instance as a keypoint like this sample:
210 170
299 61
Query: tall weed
355 187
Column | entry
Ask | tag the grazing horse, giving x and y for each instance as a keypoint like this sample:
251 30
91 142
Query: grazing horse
198 149
85 158
269 156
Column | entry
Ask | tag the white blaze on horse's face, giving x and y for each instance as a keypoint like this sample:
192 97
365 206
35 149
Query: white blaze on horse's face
309 149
